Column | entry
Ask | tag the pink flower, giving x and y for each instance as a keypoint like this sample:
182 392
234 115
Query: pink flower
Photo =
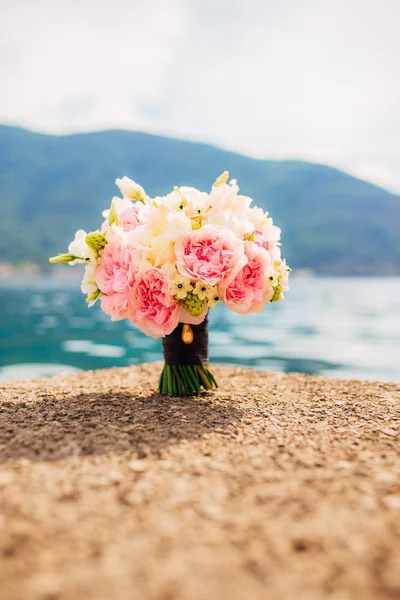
260 240
151 305
272 247
115 277
251 288
210 254
115 306
128 219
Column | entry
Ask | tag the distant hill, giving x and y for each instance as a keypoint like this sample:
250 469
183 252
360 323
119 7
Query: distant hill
52 185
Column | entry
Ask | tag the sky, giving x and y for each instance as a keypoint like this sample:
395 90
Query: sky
316 80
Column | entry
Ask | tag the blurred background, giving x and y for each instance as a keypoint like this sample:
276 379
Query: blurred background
298 99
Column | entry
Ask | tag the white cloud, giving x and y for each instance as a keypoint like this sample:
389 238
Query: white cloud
85 64
299 79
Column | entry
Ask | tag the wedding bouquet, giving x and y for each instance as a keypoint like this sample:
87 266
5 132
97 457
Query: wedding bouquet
163 262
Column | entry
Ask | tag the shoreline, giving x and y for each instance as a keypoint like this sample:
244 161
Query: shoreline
285 483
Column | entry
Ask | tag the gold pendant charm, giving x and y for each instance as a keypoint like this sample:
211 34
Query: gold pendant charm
187 334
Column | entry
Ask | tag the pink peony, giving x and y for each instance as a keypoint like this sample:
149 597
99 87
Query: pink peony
115 306
251 288
115 276
210 254
151 305
128 219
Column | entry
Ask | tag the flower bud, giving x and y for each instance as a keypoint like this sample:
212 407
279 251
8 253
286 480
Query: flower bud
277 293
193 304
223 178
113 215
130 189
62 258
96 240
93 297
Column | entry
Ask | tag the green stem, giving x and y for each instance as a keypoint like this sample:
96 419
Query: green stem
179 381
211 375
186 380
203 378
169 380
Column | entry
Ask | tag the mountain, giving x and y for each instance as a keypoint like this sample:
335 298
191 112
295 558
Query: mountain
52 185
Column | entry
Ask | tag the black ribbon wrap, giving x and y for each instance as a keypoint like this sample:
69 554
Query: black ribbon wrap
176 352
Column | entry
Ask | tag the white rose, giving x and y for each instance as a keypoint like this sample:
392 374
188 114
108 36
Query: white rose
271 232
240 226
226 196
153 243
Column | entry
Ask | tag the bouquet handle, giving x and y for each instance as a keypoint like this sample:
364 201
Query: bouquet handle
186 371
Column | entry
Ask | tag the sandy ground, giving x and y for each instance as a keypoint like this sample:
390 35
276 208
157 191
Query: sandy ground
275 486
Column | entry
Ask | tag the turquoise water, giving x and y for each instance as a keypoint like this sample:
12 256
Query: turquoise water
334 327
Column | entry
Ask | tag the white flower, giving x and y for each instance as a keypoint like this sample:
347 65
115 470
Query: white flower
226 196
213 296
180 286
157 250
258 218
228 219
156 236
79 248
178 224
271 232
282 274
154 219
173 200
130 189
230 210
201 290
264 224
196 202
88 285
120 204
114 230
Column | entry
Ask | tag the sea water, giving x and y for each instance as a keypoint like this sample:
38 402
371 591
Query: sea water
337 327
